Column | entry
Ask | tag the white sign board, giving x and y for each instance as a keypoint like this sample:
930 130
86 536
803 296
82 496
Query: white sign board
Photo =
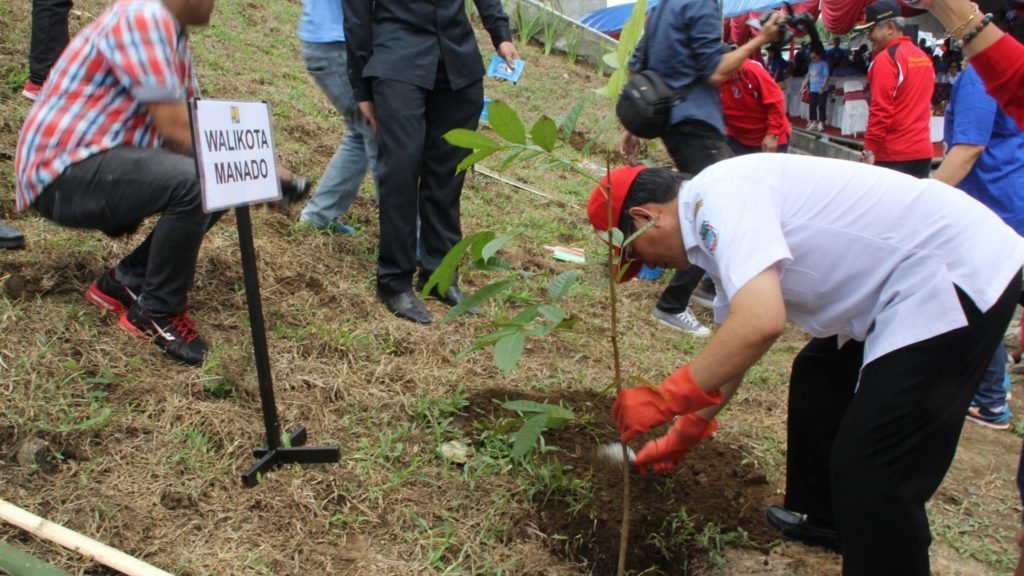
235 153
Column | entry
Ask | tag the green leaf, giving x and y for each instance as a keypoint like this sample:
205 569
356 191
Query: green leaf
473 158
553 313
528 315
568 323
471 139
508 350
526 437
506 122
606 124
615 84
511 157
544 133
480 241
477 298
443 277
561 284
617 237
630 34
531 407
485 341
567 122
611 60
492 247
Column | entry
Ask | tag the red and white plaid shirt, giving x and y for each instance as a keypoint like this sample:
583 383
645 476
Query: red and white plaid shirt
94 100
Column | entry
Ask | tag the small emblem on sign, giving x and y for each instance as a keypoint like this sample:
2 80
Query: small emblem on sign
236 116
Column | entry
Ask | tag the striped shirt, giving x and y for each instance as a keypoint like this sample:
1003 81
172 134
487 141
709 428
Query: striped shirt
94 100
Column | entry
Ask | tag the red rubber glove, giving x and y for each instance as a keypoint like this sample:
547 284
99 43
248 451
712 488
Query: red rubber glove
639 409
664 454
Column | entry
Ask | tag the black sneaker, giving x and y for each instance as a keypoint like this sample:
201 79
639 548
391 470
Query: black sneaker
175 333
110 294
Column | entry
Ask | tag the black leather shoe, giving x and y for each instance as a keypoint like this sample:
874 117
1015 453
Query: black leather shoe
452 297
10 238
799 527
406 305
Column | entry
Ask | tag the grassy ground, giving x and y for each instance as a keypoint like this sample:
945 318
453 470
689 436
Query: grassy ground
146 454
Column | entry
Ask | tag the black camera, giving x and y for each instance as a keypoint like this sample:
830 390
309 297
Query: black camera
788 24
292 191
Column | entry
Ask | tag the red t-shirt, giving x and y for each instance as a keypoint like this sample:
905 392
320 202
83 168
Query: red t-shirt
753 106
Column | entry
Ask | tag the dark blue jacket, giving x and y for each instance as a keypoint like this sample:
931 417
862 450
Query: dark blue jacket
682 42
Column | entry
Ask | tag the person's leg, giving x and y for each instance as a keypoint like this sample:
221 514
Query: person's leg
898 438
693 146
440 187
989 406
49 37
343 176
821 386
401 122
813 106
114 192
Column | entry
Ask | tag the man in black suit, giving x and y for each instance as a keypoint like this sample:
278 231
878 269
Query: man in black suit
417 73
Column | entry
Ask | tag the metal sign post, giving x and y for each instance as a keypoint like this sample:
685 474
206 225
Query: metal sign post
235 157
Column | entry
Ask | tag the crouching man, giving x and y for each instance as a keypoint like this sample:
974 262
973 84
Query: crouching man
108 144
906 287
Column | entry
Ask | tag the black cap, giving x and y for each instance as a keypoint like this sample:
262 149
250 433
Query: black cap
879 11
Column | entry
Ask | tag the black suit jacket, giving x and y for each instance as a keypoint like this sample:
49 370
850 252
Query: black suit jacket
403 40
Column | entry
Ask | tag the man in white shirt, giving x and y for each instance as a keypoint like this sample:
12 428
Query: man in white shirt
906 287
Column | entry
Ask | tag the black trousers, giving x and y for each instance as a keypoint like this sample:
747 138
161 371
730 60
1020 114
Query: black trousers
114 192
868 461
817 106
740 149
693 145
416 169
49 36
916 168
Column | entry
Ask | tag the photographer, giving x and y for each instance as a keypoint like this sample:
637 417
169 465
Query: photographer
682 43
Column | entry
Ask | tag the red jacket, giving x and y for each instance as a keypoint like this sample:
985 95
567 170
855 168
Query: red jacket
753 106
1001 67
901 79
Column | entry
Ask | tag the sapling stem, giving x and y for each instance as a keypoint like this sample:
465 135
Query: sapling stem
613 280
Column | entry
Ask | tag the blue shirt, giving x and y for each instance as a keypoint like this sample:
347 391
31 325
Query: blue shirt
322 21
683 44
997 178
816 74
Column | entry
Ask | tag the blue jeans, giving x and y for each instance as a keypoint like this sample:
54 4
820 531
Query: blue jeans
991 392
327 63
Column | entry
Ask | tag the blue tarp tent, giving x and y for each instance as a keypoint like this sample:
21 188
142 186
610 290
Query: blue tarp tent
611 20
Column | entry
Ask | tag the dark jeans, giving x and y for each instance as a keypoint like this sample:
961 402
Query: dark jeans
817 105
740 149
416 170
693 146
916 168
114 191
49 36
868 461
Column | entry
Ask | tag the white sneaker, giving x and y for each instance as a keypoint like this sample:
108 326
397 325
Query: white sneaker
683 321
